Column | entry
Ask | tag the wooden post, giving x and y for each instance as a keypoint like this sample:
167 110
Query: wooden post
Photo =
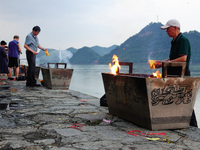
173 64
65 65
127 64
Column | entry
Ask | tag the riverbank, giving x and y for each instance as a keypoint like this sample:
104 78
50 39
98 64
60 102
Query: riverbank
36 118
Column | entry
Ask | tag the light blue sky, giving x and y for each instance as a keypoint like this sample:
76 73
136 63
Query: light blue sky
78 23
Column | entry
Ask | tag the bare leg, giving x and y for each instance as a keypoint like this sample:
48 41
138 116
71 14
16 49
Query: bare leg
17 72
10 72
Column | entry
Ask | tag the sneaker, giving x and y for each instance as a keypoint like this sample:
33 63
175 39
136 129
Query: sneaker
30 85
38 85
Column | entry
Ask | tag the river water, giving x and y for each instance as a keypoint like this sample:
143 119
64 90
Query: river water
88 79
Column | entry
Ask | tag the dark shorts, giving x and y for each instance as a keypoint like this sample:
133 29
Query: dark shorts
13 62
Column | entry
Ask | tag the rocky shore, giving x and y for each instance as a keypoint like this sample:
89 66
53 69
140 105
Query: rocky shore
37 118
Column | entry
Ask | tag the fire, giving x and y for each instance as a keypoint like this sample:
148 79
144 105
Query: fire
157 74
116 65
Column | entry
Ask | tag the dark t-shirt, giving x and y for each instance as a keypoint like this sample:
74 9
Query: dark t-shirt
13 49
180 46
3 61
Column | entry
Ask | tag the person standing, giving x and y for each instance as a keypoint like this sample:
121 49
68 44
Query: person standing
3 59
180 52
13 56
31 45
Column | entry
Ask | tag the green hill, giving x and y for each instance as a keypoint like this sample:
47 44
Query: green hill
42 53
85 55
194 38
72 50
103 50
55 56
151 43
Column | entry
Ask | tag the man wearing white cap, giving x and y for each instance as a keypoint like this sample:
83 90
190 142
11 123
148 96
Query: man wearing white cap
180 47
180 52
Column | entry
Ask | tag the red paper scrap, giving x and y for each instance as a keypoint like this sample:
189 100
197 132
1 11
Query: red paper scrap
77 126
83 100
142 134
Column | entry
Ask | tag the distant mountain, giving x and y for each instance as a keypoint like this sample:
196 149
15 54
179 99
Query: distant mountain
79 58
194 38
85 55
73 50
41 57
103 50
42 53
55 56
151 43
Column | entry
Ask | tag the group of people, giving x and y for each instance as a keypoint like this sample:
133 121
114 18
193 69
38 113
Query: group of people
180 52
9 56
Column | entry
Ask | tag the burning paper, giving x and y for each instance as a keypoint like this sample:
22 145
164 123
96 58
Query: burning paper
152 64
114 69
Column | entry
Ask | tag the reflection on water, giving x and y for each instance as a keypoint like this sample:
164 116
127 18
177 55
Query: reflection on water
87 79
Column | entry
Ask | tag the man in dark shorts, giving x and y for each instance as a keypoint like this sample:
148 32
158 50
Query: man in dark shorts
180 52
13 56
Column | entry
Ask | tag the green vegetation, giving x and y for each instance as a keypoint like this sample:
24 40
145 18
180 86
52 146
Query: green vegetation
85 55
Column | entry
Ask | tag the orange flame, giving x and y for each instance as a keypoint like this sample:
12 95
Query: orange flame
157 74
116 65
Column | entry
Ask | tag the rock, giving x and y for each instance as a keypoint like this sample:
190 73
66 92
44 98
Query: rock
63 119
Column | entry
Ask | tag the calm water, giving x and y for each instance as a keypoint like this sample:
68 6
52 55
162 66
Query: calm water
87 79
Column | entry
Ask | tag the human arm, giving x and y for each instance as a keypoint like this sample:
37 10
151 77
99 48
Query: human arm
29 49
40 47
159 63
3 53
30 43
19 47
182 58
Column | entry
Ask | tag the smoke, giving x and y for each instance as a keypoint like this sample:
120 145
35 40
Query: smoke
64 56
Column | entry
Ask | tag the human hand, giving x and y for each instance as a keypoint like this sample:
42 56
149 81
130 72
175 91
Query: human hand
158 64
46 51
35 53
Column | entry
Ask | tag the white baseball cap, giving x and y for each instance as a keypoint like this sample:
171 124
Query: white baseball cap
172 22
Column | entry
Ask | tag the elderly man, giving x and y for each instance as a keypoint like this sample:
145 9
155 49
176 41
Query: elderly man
13 56
31 45
180 47
180 52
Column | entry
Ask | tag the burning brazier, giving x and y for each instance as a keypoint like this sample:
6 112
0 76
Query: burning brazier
153 103
56 78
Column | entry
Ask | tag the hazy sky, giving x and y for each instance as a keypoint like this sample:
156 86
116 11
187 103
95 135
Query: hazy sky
78 23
